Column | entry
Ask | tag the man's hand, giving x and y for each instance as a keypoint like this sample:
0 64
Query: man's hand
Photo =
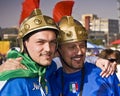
107 67
12 64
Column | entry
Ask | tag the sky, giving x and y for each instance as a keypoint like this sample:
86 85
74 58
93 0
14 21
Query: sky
10 10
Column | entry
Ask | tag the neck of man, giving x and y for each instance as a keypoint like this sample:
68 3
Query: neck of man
68 69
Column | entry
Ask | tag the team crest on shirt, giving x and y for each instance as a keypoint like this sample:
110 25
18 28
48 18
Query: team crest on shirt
44 89
73 87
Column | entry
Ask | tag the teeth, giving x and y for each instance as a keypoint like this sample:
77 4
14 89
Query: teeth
76 58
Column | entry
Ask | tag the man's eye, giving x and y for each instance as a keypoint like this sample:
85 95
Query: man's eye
53 42
40 42
72 47
82 46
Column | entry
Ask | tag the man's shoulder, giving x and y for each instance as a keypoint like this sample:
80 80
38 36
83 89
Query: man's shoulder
91 66
11 83
91 70
14 81
14 87
94 72
17 83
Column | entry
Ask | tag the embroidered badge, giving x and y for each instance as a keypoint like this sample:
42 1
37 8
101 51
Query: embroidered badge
73 87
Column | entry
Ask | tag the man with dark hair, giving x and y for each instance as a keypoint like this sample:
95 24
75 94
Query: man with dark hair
38 42
77 77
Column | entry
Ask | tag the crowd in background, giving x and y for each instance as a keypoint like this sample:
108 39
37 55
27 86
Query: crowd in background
109 54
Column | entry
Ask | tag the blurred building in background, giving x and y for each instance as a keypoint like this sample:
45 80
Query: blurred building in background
102 31
8 39
101 28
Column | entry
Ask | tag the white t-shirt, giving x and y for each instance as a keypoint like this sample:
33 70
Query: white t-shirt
118 71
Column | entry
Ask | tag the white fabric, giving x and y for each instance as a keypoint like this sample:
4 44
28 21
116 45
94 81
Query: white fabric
57 61
118 71
2 83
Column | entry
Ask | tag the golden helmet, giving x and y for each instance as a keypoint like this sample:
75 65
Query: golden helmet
71 30
36 21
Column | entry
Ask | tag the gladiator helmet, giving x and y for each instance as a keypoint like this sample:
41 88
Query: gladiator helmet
35 22
71 30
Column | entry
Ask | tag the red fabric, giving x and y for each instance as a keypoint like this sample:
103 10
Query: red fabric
27 7
62 8
116 42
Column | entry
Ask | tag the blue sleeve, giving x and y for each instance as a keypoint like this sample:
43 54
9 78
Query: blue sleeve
12 88
97 86
110 87
114 85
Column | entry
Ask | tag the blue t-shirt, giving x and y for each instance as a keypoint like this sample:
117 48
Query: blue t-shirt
23 87
93 83
28 86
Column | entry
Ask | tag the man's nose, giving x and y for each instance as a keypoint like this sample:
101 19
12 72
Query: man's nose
47 46
79 50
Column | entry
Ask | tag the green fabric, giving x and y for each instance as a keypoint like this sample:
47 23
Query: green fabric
33 69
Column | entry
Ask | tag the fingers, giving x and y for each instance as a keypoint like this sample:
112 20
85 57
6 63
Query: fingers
107 67
20 65
19 59
12 64
7 65
104 66
108 70
114 67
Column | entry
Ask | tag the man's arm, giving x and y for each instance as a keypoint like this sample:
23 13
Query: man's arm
107 67
12 64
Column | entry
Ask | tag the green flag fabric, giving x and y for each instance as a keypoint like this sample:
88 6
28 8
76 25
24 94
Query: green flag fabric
33 69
